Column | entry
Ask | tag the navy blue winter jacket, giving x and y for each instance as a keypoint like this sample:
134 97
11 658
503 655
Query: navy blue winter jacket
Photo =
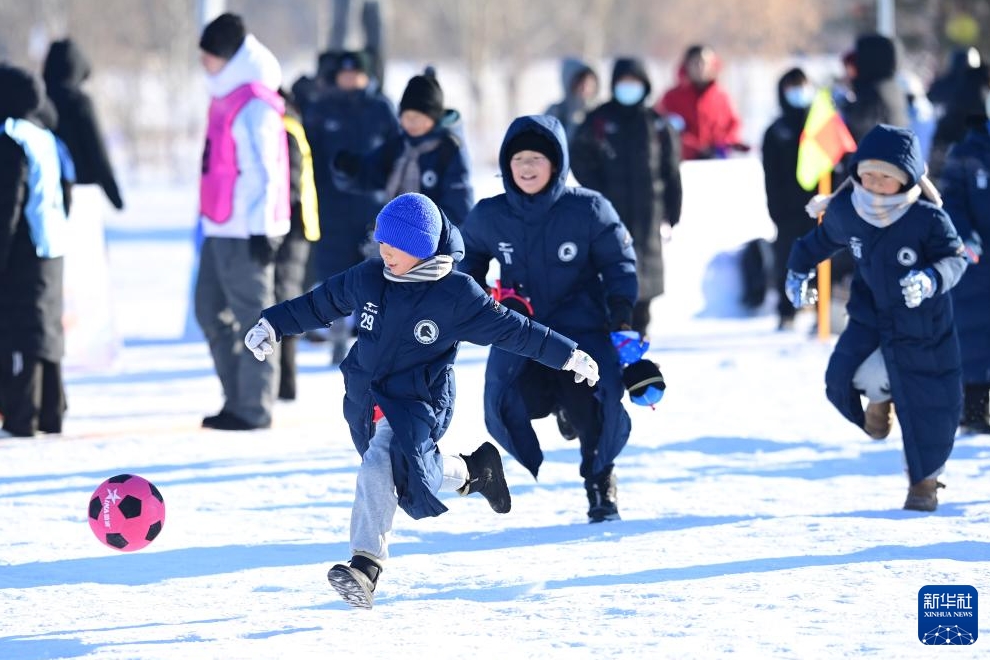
445 174
408 336
966 189
568 252
919 345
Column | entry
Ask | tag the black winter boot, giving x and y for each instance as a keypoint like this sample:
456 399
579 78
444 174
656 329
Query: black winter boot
485 476
603 501
567 430
976 408
356 582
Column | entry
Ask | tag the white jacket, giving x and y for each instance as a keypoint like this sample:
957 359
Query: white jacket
257 131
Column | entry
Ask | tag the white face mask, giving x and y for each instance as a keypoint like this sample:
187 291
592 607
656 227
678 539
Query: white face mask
629 92
800 97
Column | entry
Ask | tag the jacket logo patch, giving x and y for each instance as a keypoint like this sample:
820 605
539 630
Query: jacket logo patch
506 250
567 251
907 257
856 247
428 179
426 332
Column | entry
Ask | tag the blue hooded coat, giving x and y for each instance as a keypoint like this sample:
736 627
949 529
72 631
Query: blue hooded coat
966 189
568 252
919 345
408 336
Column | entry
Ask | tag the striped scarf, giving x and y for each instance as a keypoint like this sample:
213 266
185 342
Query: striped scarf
428 270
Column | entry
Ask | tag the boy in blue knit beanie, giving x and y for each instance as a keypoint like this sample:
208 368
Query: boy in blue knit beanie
413 309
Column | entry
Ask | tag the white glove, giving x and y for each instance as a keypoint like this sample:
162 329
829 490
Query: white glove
260 339
917 285
583 366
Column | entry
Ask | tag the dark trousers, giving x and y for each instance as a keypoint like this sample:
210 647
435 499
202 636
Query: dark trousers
641 316
545 389
32 393
290 274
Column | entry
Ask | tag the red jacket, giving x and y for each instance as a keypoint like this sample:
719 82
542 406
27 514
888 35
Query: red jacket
711 123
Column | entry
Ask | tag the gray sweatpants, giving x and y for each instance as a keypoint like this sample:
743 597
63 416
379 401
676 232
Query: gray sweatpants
231 291
375 500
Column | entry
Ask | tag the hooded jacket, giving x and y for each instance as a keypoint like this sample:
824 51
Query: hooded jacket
631 155
919 345
568 252
261 190
65 69
407 373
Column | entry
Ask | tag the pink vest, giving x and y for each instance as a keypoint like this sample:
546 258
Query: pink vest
216 185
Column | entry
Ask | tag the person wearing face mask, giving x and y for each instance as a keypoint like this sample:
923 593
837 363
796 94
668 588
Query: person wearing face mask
786 199
711 126
631 154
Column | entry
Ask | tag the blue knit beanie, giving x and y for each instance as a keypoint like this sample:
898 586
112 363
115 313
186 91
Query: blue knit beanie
410 222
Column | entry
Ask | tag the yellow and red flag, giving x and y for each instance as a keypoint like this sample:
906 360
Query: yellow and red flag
824 141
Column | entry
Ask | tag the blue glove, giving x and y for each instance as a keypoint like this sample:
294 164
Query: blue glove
918 285
797 289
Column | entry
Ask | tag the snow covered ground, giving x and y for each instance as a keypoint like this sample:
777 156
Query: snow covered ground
756 521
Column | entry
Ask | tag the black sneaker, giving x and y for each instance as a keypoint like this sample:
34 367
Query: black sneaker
356 582
485 476
564 425
603 501
225 421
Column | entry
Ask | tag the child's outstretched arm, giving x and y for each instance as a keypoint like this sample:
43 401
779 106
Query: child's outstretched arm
318 308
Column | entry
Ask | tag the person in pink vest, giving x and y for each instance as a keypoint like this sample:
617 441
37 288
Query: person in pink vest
244 215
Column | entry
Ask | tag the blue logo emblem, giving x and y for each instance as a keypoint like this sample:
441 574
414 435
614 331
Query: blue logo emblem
947 615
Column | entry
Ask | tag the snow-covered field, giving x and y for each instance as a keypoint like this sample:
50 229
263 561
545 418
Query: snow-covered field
756 521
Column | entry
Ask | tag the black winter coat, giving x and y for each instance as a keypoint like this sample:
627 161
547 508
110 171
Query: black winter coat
65 70
30 287
631 155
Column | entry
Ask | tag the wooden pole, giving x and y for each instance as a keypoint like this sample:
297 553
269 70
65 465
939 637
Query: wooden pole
824 275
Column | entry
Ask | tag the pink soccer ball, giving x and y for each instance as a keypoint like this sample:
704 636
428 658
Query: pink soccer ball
126 512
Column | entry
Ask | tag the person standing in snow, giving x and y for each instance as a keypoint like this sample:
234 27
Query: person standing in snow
965 187
580 83
900 347
567 253
429 156
632 155
244 215
304 228
700 106
33 241
415 310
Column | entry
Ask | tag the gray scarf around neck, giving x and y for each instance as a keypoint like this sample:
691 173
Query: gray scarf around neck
429 270
405 176
883 210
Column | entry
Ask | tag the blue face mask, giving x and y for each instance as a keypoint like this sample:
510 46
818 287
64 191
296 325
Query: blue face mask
799 97
629 92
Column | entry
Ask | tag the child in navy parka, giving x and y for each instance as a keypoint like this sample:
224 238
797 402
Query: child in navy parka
900 344
565 250
413 312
